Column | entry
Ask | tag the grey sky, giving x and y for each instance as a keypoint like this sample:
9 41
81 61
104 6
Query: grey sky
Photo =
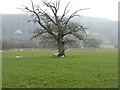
99 8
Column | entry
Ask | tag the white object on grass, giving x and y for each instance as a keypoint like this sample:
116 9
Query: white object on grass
62 56
55 54
18 57
21 50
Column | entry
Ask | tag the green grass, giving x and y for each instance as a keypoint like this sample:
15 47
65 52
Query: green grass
107 46
79 69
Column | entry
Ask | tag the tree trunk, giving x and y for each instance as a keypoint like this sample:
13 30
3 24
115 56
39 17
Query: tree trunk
61 50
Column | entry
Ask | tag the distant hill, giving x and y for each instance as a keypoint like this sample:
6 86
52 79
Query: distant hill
98 27
13 22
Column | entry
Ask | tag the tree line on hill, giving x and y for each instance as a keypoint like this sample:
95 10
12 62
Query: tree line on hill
11 44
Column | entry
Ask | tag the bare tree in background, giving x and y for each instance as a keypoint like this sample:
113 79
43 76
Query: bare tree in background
92 43
54 26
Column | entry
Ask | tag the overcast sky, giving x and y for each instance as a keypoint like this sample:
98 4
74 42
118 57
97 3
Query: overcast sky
98 8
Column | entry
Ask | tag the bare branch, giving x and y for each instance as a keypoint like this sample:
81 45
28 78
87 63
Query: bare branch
32 5
43 26
54 8
80 37
65 12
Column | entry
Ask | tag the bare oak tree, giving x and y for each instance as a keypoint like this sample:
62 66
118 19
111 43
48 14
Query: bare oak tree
56 26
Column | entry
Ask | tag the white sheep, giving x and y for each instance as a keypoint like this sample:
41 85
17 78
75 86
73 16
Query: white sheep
55 54
62 56
21 50
17 57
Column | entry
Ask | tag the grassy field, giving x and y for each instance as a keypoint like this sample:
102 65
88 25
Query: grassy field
79 69
107 46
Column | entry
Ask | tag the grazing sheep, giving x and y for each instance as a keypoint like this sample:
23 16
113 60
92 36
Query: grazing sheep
55 54
62 56
17 57
21 50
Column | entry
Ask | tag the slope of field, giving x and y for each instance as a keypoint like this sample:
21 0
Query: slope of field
79 69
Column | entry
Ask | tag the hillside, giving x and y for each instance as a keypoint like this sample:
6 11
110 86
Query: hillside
97 27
